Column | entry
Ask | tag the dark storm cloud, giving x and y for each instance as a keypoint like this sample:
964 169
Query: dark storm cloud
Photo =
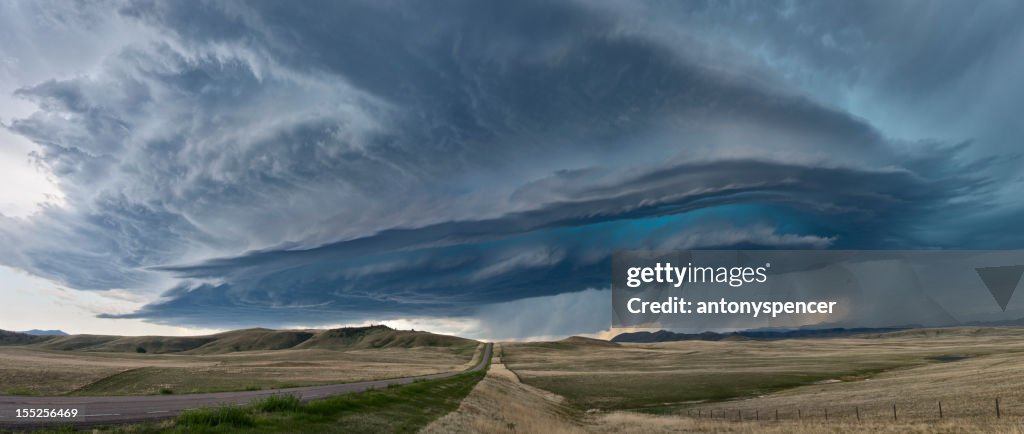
326 162
454 268
921 69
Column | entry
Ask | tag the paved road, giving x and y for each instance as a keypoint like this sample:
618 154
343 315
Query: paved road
123 409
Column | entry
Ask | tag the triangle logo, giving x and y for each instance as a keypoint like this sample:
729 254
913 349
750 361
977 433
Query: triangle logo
1001 281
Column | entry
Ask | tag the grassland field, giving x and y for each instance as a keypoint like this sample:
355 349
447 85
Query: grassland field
92 366
965 368
581 385
567 387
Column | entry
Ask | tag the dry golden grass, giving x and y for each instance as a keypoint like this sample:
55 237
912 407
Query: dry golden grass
30 371
964 368
501 404
966 388
679 375
630 423
43 372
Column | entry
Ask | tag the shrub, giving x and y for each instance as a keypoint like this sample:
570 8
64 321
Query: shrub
166 391
278 403
216 416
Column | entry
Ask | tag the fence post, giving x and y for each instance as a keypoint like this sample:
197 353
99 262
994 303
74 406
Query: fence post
798 416
997 409
757 414
940 409
894 411
776 415
739 415
826 413
857 409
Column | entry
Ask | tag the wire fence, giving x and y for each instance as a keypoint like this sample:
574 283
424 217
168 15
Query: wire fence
997 408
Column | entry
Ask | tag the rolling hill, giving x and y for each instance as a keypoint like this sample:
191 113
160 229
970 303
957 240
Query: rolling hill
258 339
15 338
253 340
379 337
75 342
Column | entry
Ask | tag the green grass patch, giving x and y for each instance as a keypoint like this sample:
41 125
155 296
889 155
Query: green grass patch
399 409
406 408
224 416
62 429
278 403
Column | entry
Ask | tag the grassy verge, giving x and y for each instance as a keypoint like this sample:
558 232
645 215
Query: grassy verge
396 409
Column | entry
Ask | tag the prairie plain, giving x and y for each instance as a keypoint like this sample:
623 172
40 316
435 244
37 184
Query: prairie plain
966 369
501 403
240 360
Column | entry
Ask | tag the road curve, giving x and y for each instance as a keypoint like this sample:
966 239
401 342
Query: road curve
103 410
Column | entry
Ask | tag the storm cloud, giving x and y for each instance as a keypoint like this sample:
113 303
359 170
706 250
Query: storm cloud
274 163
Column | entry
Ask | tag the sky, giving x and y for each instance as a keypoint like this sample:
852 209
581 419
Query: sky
469 166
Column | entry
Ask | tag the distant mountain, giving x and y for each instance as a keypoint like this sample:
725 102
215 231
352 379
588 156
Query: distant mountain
35 332
761 335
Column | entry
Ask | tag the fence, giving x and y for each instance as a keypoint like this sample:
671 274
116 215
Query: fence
913 411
